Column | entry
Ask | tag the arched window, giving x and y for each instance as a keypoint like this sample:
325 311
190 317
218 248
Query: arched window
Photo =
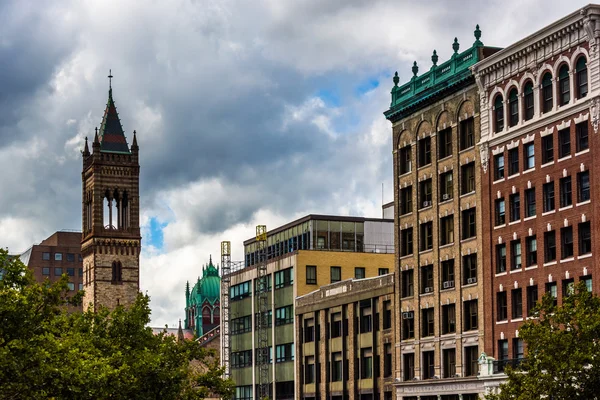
563 85
206 316
528 100
581 77
498 114
217 316
117 273
513 107
547 92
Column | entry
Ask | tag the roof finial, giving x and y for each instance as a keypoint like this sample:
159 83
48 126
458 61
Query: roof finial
210 259
415 69
455 45
86 149
110 76
96 139
434 58
477 34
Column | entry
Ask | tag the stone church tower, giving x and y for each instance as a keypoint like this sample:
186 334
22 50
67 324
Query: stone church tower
111 240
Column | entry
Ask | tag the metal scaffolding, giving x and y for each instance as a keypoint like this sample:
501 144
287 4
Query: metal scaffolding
262 328
225 307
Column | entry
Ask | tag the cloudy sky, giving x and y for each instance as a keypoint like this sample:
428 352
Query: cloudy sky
247 112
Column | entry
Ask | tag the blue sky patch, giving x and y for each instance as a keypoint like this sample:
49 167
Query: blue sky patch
156 233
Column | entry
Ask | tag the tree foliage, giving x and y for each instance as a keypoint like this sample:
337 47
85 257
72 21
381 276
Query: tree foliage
48 353
563 351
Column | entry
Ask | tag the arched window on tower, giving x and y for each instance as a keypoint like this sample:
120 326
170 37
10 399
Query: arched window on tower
498 113
217 316
117 207
117 273
124 211
513 107
206 316
564 85
528 103
581 77
547 98
107 210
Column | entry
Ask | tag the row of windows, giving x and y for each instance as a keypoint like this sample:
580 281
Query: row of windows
531 293
336 273
445 148
470 320
565 191
470 363
549 248
547 146
563 91
58 271
446 232
283 279
59 257
283 353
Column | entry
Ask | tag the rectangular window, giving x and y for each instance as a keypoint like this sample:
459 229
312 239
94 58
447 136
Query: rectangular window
427 318
387 314
243 392
80 271
547 95
445 143
81 286
515 249
532 297
500 258
518 349
501 306
515 207
467 175
311 274
530 202
448 319
552 288
547 149
267 319
428 364
566 241
531 249
427 279
57 256
408 325
383 271
446 186
424 151
467 133
406 241
70 257
241 359
58 271
447 230
387 360
513 161
568 287
241 325
309 369
564 143
583 186
498 166
549 246
284 352
409 366
45 271
548 190
366 316
366 363
336 325
581 132
239 291
407 283
284 315
405 160
469 223
471 363
470 315
309 330
71 271
425 193
448 274
71 285
500 211
517 303
585 238
529 156
284 278
469 268
336 366
336 274
529 104
359 272
565 191
503 350
268 283
426 239
46 256
588 282
406 200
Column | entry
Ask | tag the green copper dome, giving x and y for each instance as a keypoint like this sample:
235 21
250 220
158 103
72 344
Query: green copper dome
202 301
210 284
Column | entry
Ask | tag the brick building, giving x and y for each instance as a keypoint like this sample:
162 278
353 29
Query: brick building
57 255
346 340
111 241
539 134
438 220
303 255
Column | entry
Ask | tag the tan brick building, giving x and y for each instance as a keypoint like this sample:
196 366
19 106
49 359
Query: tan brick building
438 220
539 130
111 241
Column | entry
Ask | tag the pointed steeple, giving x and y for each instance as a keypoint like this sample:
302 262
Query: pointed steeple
134 145
86 149
112 137
180 333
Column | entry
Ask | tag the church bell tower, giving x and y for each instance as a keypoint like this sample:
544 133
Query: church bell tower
111 240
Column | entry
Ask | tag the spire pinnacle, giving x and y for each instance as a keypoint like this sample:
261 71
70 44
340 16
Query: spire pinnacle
86 149
110 76
96 139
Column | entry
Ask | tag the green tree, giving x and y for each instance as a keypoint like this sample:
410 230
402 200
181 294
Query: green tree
563 351
48 353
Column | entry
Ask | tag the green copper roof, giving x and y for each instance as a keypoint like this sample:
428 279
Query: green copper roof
437 81
206 289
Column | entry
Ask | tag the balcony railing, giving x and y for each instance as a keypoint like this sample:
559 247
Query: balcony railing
500 365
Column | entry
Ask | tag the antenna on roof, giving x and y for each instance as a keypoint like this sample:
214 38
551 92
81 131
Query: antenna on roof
382 212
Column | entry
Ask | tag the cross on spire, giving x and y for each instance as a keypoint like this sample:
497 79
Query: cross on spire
110 76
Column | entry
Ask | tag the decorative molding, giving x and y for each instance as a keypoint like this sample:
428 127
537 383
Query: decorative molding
528 138
498 150
484 156
547 131
582 117
563 125
595 113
